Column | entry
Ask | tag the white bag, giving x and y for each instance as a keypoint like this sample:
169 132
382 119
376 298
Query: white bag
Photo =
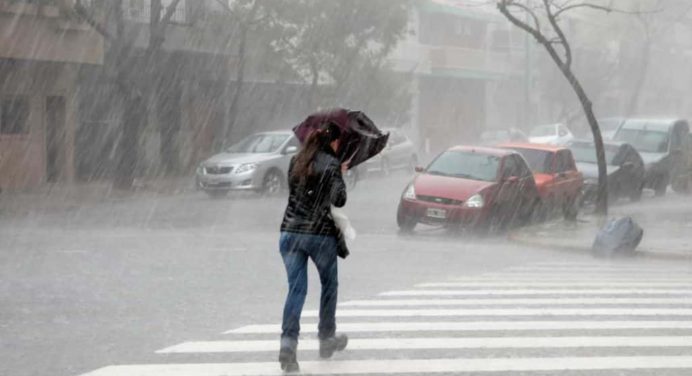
343 223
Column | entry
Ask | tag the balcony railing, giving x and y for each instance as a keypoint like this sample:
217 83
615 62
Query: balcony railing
466 58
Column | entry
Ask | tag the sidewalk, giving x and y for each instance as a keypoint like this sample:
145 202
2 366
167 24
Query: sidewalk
73 196
667 224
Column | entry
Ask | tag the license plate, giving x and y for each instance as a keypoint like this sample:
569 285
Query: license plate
436 213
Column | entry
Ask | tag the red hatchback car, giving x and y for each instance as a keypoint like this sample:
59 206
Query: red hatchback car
470 187
555 172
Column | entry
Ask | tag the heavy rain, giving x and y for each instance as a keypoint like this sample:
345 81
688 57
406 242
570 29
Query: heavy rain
323 187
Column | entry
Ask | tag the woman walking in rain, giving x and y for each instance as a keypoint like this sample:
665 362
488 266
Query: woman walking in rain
308 231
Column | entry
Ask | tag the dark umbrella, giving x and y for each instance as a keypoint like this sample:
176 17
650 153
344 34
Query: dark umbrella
360 138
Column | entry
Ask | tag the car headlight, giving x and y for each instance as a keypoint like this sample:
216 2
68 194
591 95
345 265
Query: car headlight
475 201
247 167
410 192
200 170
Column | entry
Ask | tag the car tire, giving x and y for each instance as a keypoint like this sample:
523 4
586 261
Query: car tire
570 208
661 185
272 183
406 224
636 195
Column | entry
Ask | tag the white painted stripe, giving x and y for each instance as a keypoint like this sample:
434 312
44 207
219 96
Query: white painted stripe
537 292
508 312
599 284
516 302
588 273
562 278
394 366
616 268
372 327
438 343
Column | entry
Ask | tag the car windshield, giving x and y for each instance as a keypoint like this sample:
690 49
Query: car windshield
538 160
586 153
644 140
465 164
542 131
259 143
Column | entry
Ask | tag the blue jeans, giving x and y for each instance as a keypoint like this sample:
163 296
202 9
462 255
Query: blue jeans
295 250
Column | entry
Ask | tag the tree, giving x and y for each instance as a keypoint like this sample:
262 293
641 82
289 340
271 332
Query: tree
552 37
333 45
131 71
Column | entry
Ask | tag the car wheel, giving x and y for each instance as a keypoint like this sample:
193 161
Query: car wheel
217 193
272 184
636 195
406 223
661 186
570 208
351 179
681 184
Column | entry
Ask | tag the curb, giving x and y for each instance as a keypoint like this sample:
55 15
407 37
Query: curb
518 239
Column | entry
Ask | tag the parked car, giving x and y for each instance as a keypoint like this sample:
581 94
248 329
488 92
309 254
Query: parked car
400 153
257 163
556 134
558 181
470 187
664 146
625 168
497 136
609 126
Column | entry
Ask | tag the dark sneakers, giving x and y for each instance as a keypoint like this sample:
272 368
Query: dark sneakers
329 345
288 360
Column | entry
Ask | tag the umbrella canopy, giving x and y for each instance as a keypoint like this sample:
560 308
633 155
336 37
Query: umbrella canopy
360 138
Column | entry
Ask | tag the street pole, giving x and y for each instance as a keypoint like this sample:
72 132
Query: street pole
527 80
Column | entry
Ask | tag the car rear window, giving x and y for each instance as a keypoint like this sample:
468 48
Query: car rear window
465 164
647 141
539 161
586 153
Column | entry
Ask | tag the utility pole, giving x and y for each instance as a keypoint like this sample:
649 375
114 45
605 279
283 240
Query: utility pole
527 116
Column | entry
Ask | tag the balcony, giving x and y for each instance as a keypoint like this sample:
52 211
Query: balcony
33 31
470 60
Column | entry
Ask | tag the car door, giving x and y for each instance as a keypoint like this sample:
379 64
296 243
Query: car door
510 183
568 179
289 149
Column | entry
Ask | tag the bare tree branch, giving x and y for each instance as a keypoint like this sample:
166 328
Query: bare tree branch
82 12
558 30
170 11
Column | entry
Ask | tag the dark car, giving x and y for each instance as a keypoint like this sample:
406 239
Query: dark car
470 187
663 146
626 172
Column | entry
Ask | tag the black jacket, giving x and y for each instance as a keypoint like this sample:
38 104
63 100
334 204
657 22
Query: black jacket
309 203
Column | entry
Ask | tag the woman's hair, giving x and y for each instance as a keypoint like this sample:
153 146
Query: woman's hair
317 140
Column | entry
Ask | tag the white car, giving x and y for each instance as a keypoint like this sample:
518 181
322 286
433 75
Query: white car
556 134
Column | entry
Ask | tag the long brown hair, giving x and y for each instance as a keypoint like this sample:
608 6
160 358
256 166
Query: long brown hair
316 141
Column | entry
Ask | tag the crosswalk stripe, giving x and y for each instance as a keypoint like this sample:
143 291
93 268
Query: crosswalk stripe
538 292
438 343
508 312
620 268
516 301
586 275
600 284
538 278
394 366
373 327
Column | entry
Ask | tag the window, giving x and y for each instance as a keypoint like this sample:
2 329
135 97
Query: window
140 10
14 113
509 168
464 164
563 161
522 169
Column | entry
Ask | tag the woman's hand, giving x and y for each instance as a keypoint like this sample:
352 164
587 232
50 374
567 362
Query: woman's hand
344 167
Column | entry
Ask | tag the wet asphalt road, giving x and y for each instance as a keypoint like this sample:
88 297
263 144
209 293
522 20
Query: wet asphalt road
111 283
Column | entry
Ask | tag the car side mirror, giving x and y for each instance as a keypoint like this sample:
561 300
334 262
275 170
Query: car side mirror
628 164
419 169
291 150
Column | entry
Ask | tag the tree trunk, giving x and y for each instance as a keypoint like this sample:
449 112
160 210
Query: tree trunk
602 192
